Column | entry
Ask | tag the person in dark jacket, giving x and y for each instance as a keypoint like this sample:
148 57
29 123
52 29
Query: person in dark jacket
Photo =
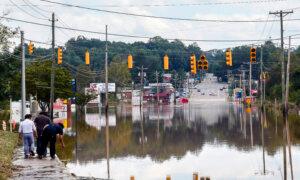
49 135
40 122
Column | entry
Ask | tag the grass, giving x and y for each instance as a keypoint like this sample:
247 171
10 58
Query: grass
8 142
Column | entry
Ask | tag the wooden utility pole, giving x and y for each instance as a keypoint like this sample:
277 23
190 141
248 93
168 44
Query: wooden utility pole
23 89
52 98
281 15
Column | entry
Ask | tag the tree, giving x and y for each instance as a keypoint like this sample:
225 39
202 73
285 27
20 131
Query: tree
118 72
38 77
82 99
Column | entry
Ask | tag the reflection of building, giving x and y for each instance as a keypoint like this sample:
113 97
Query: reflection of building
94 120
165 92
161 112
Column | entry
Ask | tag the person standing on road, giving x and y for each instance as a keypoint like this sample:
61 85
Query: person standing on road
50 133
27 129
40 122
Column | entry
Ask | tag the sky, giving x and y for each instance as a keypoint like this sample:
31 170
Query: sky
150 27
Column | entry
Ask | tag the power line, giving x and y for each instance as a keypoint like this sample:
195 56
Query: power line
157 17
25 11
191 4
34 8
136 36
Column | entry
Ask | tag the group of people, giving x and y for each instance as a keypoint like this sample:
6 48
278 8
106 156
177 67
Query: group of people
45 132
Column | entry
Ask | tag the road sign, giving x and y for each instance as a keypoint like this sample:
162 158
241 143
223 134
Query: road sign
100 87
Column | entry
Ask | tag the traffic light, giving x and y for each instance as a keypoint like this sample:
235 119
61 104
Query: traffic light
30 48
193 64
202 58
228 55
252 55
200 64
129 61
205 65
166 62
59 55
87 57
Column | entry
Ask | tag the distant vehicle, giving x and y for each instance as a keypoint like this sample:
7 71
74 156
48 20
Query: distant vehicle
202 93
199 90
212 94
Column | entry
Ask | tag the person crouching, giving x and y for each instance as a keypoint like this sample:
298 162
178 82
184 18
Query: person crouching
49 135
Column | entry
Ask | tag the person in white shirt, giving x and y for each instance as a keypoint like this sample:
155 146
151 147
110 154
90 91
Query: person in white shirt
27 129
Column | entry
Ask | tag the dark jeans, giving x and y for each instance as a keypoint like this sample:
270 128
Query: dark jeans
48 139
39 146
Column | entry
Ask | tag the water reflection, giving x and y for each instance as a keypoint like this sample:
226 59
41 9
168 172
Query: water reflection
219 140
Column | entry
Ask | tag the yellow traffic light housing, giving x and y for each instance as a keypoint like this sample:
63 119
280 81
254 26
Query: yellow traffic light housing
205 65
166 62
228 55
59 55
129 61
193 64
30 48
252 55
87 57
200 65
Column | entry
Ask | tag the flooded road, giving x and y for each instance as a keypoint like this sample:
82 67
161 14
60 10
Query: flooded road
218 140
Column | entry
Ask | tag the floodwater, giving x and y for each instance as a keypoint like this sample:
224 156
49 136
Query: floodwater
217 140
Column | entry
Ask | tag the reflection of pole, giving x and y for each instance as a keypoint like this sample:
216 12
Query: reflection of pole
251 131
158 134
250 82
287 107
107 148
263 142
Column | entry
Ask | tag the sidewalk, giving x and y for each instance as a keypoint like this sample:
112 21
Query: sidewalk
35 168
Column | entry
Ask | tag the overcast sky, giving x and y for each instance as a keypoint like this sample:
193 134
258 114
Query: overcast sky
122 24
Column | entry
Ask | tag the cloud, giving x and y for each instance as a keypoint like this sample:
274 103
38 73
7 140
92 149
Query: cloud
122 24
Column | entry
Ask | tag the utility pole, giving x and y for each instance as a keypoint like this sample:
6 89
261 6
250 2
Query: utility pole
23 91
281 15
261 77
52 69
106 71
157 89
142 87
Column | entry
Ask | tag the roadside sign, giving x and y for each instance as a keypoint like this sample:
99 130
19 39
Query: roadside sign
16 111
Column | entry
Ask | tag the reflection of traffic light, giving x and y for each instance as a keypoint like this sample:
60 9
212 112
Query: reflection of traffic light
30 48
193 64
166 62
59 55
228 55
87 57
129 61
252 55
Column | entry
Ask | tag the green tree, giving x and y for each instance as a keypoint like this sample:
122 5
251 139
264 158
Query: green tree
38 77
118 72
